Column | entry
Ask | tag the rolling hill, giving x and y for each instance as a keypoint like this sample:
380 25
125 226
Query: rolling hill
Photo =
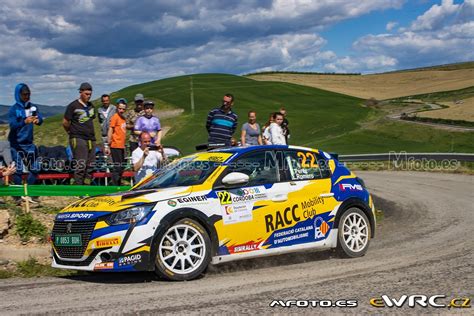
318 118
386 85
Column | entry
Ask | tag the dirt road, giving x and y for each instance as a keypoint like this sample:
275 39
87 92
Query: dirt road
424 245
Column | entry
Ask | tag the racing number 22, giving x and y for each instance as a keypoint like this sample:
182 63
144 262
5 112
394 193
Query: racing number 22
304 158
224 197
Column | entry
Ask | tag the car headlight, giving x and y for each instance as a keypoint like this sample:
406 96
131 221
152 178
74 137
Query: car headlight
130 215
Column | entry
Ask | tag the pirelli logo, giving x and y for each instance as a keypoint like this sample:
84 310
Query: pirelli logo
109 242
224 197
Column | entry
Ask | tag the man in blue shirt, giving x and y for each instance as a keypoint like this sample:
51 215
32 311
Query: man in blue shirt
222 123
21 118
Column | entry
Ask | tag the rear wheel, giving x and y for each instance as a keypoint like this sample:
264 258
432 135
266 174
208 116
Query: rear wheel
183 251
354 233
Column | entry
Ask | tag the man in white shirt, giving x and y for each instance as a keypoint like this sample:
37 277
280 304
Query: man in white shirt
145 161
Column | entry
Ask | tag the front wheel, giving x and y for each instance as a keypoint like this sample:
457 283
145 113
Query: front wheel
353 234
184 251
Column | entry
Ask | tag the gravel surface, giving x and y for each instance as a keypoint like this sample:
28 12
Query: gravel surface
424 245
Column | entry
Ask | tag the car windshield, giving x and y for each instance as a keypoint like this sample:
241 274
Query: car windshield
184 172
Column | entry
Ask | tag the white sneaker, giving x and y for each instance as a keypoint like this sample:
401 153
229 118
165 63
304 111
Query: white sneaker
27 198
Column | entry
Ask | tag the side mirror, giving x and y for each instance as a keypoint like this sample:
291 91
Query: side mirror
234 178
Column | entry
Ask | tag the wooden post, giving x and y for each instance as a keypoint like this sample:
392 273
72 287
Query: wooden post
27 200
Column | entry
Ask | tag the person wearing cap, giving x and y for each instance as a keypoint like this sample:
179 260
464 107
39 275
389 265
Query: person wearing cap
22 116
149 123
78 123
105 113
221 123
116 139
131 118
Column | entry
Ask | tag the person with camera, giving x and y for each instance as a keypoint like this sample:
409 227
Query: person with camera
22 116
222 123
146 158
116 141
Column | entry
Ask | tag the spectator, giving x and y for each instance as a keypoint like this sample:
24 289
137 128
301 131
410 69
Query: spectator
251 134
21 117
221 123
131 118
284 125
145 161
78 123
116 138
149 124
275 130
266 130
106 111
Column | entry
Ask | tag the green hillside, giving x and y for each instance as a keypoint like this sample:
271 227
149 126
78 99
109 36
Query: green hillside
318 118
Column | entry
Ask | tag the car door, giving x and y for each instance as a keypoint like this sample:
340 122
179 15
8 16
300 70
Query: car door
305 176
248 212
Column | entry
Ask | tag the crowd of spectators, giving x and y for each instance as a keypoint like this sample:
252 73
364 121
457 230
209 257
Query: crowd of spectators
115 120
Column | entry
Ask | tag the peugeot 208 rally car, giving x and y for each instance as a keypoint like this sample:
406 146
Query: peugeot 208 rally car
219 206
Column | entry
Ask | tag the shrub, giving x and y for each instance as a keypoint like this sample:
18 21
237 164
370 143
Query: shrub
27 227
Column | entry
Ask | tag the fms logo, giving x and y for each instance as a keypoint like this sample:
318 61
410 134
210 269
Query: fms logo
436 301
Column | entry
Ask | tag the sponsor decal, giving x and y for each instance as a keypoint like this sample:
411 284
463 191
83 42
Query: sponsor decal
281 219
237 213
420 300
104 265
172 203
350 187
224 197
107 242
320 228
228 209
249 246
312 202
300 232
93 202
74 216
191 199
130 260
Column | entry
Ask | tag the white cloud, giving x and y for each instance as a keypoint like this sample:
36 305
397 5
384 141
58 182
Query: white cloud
443 34
391 25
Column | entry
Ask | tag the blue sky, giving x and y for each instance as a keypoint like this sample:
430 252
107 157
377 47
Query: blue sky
54 46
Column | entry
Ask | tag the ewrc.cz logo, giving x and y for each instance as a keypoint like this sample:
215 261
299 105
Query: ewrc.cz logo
313 303
420 300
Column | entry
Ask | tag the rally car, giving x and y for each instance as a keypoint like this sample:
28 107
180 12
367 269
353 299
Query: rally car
219 206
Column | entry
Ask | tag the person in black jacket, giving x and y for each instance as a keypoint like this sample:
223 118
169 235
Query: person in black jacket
284 125
78 123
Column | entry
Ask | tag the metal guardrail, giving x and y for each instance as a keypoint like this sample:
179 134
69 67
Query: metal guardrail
404 156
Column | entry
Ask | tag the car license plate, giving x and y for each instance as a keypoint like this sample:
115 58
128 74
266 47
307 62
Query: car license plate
68 240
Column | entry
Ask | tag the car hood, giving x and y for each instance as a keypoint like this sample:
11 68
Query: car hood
96 206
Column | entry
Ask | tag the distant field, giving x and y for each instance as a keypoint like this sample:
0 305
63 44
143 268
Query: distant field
384 86
462 111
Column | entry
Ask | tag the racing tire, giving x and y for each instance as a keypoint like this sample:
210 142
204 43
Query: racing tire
183 251
353 236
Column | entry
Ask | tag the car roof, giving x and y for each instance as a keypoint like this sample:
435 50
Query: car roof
242 150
